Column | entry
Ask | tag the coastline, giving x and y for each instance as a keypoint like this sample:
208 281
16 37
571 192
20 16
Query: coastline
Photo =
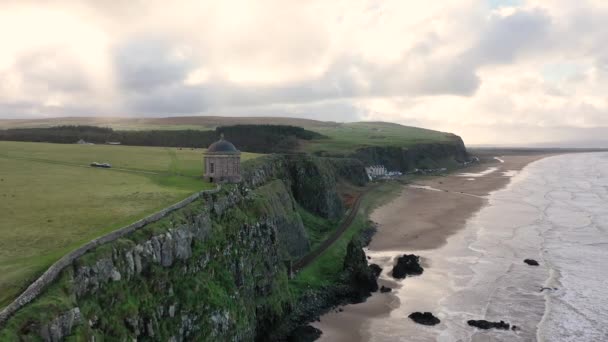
422 218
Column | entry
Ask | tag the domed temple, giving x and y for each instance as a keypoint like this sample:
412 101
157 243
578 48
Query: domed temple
222 162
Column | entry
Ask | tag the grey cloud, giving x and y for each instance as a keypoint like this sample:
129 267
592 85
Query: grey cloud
507 37
337 83
144 63
175 99
52 68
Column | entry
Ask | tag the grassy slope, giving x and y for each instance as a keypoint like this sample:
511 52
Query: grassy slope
350 136
51 201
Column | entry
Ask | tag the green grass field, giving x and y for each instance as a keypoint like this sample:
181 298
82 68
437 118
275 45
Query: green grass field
51 201
348 137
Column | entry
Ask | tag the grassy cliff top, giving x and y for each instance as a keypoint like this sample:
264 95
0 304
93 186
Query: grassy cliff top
347 137
51 200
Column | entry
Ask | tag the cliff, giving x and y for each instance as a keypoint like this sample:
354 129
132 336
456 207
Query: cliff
427 155
216 269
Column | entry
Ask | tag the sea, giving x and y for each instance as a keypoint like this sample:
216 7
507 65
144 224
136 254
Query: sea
554 211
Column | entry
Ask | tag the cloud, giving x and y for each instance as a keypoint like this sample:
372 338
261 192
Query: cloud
144 63
508 35
448 65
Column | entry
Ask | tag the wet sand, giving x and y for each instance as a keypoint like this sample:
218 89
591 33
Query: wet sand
424 215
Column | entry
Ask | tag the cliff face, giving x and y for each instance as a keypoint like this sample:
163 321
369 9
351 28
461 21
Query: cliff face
429 155
311 180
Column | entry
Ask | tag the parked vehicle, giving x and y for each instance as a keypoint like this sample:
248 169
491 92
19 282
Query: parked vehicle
103 165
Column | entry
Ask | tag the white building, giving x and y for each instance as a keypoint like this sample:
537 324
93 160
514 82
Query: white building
375 171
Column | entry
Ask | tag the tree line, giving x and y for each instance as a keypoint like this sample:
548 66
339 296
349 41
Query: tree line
248 138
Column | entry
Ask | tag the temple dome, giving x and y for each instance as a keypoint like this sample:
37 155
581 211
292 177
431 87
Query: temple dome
222 147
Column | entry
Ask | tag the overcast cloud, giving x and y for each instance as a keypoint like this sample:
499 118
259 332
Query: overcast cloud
493 71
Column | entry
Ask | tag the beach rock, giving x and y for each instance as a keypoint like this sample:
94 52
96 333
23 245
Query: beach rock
376 270
407 265
485 325
305 333
531 262
425 318
361 277
385 289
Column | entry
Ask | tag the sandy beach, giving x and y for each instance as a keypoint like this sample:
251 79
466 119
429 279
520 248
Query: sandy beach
422 217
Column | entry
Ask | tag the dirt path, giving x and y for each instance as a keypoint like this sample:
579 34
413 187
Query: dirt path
312 256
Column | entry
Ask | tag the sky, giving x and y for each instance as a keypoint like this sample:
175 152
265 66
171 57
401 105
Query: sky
492 71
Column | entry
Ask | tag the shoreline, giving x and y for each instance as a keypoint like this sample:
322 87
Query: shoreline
422 218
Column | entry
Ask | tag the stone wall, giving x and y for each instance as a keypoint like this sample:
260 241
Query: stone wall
51 274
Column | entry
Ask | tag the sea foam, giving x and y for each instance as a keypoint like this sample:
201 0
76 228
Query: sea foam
554 211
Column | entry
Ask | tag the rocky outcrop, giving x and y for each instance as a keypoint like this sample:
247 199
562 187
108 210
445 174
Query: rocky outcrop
362 278
376 270
407 265
305 333
311 180
357 281
485 325
349 169
424 318
424 155
531 262
385 289
62 326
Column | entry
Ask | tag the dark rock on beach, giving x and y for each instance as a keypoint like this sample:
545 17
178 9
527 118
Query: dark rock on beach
305 333
425 318
385 289
531 262
362 277
376 270
407 265
485 325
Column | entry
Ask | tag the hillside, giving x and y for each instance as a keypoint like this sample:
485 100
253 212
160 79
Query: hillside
184 122
340 139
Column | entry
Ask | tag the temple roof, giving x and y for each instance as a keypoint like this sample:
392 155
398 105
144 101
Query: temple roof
222 146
